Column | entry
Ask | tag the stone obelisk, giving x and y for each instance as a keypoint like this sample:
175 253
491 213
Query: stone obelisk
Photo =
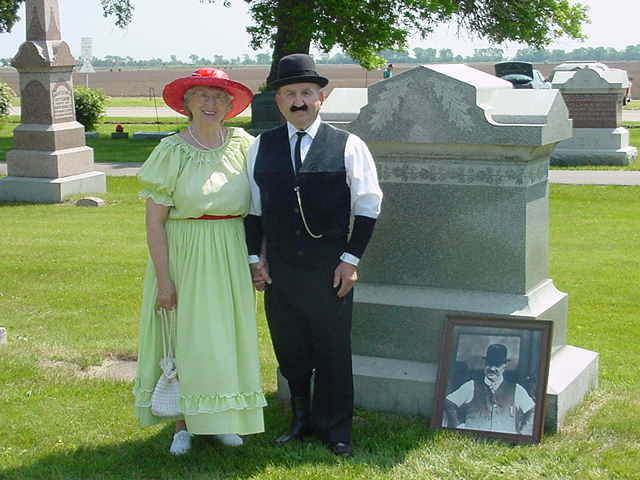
50 159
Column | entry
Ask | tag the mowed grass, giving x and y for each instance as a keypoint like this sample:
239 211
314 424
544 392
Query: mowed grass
105 149
70 293
129 150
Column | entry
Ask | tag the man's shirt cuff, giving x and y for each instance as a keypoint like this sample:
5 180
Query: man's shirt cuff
352 259
254 259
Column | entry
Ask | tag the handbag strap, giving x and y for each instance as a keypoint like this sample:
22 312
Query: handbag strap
169 331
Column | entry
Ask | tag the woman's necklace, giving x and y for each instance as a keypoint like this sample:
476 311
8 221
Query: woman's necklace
204 146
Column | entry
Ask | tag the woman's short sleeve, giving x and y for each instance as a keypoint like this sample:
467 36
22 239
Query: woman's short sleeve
159 174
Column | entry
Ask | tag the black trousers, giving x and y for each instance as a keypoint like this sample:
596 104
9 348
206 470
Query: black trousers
311 332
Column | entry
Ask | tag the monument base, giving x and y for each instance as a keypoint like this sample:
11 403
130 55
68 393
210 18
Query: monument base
50 190
397 333
407 387
49 164
595 146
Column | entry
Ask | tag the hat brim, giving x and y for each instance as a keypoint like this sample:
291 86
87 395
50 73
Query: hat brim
173 93
322 81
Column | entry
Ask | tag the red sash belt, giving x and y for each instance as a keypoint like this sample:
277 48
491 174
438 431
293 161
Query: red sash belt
214 217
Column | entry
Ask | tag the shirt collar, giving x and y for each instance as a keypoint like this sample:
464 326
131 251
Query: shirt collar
312 130
493 386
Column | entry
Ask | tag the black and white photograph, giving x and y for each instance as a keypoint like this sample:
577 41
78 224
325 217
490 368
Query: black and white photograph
493 377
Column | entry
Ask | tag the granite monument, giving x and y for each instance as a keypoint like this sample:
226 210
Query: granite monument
50 160
463 162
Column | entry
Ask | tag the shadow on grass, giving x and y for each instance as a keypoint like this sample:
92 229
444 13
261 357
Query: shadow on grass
380 440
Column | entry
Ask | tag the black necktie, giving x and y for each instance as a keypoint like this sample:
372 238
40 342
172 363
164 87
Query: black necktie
297 156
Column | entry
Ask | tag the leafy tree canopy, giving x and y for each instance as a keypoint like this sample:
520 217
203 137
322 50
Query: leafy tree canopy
364 27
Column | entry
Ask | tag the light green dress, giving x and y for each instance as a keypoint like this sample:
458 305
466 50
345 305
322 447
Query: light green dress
217 346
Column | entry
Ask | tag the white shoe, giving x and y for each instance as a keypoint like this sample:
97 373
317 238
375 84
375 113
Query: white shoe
181 443
229 439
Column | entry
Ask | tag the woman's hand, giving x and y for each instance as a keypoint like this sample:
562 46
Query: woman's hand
260 275
167 297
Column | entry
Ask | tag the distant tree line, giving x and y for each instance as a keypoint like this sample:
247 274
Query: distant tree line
420 55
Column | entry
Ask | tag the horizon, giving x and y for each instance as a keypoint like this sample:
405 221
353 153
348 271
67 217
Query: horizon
211 29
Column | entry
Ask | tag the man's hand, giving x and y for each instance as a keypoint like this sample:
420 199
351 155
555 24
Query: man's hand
166 297
345 276
260 275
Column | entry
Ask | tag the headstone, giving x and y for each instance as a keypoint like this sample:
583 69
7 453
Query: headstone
264 112
463 162
594 95
87 55
151 135
50 159
343 105
90 202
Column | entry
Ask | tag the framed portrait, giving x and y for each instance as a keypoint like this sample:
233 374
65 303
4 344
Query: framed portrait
492 377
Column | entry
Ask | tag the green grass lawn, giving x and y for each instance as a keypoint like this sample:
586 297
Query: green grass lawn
123 102
70 293
107 150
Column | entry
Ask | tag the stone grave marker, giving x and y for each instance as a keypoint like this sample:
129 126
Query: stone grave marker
343 105
463 162
50 159
593 94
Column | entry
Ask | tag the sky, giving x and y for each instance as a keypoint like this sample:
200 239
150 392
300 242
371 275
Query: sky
161 28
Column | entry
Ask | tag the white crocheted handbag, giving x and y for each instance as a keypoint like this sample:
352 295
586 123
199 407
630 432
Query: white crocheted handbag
165 397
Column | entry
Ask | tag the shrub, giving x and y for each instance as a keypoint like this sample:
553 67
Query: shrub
6 97
90 105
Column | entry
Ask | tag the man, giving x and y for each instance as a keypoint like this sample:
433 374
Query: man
492 403
308 179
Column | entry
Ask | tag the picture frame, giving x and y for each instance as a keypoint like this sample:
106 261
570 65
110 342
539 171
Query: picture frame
492 377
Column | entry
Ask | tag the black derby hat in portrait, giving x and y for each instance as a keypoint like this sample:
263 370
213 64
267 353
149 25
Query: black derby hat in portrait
297 68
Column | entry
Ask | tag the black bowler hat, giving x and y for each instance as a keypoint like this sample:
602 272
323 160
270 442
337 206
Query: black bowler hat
297 68
496 354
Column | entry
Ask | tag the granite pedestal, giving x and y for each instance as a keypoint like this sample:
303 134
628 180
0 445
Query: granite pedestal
50 160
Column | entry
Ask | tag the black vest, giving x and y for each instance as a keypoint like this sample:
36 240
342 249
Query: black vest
324 193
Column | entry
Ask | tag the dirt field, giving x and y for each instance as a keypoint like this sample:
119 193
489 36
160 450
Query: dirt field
140 83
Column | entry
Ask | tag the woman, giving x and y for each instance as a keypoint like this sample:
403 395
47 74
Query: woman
197 191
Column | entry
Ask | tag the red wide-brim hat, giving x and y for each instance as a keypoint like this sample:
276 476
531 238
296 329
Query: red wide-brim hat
173 93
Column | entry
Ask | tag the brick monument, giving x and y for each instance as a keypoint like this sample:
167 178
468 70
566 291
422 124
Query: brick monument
593 94
50 160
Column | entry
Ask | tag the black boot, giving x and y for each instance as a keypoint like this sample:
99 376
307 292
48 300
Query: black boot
300 422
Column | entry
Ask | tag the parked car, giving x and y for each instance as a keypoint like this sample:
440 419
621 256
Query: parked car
521 75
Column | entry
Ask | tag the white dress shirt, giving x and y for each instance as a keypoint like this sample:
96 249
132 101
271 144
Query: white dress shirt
361 176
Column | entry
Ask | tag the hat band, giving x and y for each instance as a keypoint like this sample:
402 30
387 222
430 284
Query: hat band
300 73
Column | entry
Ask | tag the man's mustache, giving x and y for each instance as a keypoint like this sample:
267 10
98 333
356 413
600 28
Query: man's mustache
295 109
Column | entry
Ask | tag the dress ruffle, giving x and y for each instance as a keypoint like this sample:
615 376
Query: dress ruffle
196 404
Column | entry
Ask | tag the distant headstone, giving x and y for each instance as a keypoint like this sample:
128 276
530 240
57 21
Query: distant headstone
86 55
151 135
463 163
594 95
50 159
343 105
90 202
264 112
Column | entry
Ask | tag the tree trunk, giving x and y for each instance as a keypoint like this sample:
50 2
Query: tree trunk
292 36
